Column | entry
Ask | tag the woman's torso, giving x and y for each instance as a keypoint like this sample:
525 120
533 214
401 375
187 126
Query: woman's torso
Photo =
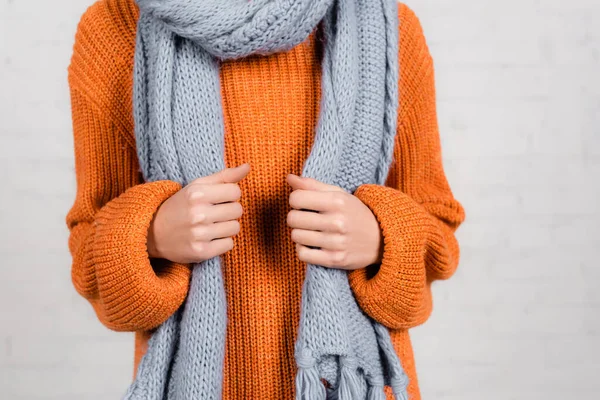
270 106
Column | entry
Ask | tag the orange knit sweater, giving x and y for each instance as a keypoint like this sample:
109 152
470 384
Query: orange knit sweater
270 107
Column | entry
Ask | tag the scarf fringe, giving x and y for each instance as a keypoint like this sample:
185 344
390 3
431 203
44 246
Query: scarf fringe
376 393
399 386
179 130
398 380
349 384
308 383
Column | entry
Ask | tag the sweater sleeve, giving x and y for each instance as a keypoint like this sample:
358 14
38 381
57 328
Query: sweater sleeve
109 219
416 210
108 226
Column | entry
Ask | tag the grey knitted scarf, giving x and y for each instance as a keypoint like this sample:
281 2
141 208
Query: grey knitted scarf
180 136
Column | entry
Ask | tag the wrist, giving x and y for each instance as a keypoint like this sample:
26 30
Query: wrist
379 257
377 254
151 246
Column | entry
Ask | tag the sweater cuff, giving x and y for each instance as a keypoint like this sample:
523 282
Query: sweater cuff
137 294
395 293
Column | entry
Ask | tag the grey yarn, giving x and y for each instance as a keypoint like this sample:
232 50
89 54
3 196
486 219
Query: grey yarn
180 136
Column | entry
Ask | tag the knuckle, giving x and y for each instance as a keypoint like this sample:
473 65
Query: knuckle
301 252
340 225
198 249
193 192
338 258
237 192
221 247
228 244
293 199
339 199
295 235
291 218
189 193
236 227
239 210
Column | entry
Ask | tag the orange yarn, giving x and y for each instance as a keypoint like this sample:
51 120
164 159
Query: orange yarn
270 107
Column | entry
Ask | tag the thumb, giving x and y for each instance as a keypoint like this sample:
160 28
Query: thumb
227 175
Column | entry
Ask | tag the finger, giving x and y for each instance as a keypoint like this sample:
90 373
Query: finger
227 175
324 241
208 214
301 199
325 258
224 212
300 182
218 230
213 194
215 247
308 220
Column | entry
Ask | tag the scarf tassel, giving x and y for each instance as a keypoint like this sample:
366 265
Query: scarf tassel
376 392
176 91
350 382
397 377
308 383
399 385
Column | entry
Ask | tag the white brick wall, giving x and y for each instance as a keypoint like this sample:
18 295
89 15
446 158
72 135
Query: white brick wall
519 109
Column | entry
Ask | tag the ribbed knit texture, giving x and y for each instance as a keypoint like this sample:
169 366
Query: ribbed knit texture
271 104
179 133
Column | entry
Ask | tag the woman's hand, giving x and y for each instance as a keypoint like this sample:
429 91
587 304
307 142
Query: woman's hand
343 228
197 223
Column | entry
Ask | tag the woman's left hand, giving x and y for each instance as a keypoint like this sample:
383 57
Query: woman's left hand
332 227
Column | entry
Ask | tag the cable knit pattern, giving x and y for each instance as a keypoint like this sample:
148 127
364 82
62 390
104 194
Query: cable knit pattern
269 102
416 210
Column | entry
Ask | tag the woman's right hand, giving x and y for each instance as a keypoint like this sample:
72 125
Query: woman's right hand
198 222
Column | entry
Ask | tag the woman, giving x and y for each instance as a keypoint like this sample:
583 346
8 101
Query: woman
138 230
